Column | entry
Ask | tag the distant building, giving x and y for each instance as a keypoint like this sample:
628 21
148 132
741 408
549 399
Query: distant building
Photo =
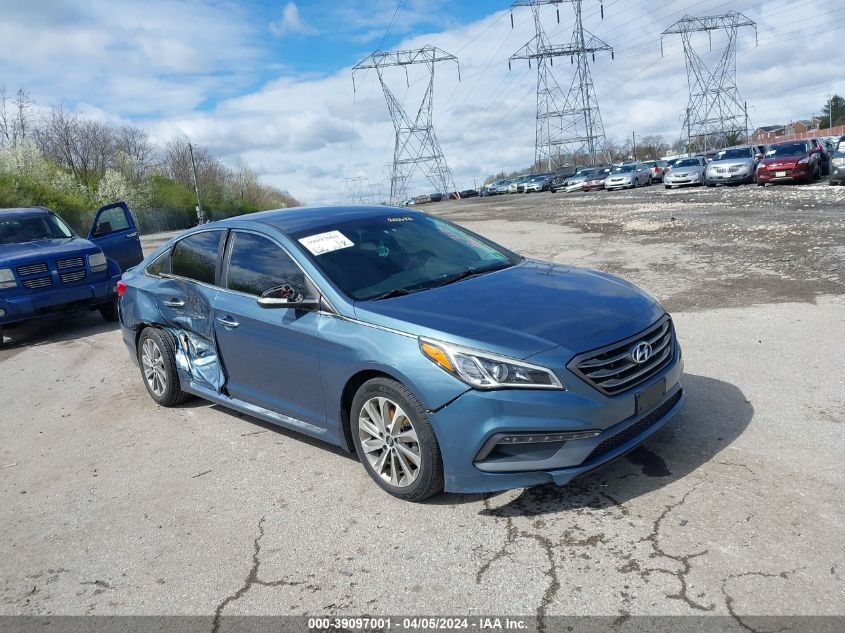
768 133
803 125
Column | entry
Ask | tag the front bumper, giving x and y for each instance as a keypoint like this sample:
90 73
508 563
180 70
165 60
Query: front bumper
57 300
745 176
595 185
785 173
678 181
466 427
618 184
837 173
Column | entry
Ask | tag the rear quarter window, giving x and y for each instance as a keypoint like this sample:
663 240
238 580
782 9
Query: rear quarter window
160 265
195 257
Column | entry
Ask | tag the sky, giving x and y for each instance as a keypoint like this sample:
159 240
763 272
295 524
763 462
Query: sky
269 84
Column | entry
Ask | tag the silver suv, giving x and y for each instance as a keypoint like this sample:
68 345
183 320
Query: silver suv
733 165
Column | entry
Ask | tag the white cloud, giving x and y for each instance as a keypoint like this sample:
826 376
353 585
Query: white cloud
291 22
306 133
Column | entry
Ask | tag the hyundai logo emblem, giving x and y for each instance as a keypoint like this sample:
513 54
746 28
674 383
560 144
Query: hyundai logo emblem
641 352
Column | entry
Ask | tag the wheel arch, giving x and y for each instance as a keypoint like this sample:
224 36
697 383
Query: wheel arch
348 394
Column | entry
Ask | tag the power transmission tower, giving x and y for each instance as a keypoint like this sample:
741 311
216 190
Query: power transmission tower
416 145
354 189
716 115
569 125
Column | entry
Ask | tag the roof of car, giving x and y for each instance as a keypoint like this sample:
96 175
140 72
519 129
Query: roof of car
298 219
24 212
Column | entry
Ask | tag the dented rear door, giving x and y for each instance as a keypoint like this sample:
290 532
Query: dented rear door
185 299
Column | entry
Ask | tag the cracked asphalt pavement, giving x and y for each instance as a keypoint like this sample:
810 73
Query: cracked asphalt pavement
112 505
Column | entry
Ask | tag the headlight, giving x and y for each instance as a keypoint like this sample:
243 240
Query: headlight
97 262
804 160
488 371
838 161
7 278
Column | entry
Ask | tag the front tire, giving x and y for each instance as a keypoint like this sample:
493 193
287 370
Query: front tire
109 311
157 360
395 441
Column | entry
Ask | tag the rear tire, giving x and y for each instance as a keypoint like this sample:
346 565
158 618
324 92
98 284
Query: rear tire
402 453
157 360
1 336
109 311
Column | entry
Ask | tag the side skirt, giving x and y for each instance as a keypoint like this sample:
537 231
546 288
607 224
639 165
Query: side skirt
258 412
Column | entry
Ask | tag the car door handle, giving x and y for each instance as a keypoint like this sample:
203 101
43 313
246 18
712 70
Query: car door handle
227 321
133 234
174 303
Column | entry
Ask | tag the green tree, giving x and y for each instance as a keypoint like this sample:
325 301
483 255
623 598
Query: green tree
836 107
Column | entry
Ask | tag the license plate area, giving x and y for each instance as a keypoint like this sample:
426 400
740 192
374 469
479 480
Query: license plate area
651 397
780 174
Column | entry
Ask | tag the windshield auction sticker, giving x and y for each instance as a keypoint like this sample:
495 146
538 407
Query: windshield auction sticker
323 243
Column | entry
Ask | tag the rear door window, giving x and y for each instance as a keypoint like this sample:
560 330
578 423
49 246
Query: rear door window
195 257
256 265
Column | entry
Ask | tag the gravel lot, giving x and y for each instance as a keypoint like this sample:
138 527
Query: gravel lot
111 505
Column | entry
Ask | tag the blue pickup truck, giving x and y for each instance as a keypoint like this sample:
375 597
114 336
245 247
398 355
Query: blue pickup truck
47 270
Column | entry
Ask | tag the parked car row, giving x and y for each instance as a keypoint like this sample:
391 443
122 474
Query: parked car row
788 161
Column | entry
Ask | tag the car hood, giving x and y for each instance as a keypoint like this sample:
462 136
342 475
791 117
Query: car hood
685 170
16 254
783 160
520 311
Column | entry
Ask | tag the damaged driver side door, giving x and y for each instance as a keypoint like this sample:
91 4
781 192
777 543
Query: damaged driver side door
185 298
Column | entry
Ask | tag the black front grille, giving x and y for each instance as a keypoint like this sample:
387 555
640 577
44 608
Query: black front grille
71 262
40 282
69 278
32 269
638 427
612 369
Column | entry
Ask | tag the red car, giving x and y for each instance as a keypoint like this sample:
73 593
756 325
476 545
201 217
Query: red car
594 180
790 161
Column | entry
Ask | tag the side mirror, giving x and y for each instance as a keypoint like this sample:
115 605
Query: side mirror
286 296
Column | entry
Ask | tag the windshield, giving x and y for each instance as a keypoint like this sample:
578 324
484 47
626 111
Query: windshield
596 173
729 154
623 169
369 258
19 230
688 162
787 149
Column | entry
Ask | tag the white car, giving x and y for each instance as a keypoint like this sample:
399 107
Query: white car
685 171
628 176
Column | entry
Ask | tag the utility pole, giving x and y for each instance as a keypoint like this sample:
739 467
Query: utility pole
745 109
415 145
200 214
830 112
634 146
715 107
568 123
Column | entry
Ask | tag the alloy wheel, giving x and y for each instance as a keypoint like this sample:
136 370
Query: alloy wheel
389 441
153 367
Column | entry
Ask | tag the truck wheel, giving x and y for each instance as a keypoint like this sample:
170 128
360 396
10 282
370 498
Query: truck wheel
395 441
109 311
157 359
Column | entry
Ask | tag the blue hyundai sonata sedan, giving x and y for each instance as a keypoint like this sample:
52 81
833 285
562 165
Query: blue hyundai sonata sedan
445 361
